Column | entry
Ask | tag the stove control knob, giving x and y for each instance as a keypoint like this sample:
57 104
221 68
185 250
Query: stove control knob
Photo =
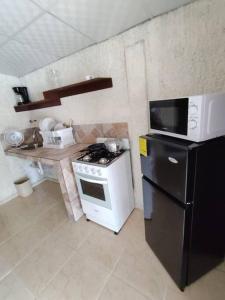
86 169
99 172
93 171
80 168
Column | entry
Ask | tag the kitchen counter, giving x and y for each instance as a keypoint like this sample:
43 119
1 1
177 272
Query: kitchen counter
47 153
61 160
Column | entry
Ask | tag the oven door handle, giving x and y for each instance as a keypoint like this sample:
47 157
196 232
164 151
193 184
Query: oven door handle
92 180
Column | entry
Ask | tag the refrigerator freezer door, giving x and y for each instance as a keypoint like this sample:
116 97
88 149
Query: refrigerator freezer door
165 234
166 165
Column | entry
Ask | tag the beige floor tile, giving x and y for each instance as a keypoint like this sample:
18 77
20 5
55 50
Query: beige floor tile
15 218
53 217
116 289
133 231
221 267
42 264
17 214
44 196
102 246
11 288
5 268
49 189
4 232
174 293
141 269
75 233
135 222
209 287
79 279
20 245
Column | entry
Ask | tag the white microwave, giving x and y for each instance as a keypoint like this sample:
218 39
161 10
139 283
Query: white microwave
196 118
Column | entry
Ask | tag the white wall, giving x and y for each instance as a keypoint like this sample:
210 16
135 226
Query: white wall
8 116
186 50
10 170
183 53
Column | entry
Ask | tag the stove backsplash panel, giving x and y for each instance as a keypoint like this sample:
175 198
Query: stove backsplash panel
89 132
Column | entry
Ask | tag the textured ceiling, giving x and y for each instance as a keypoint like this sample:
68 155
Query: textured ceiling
34 33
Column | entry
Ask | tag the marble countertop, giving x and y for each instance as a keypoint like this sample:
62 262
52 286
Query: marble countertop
47 153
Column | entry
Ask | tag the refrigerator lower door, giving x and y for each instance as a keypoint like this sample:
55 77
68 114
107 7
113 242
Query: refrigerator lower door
165 233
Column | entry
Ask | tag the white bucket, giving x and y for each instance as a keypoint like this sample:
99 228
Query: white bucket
24 187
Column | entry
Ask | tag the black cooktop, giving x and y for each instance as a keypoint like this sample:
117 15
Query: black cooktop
100 156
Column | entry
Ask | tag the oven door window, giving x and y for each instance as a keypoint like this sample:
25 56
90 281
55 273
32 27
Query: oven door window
94 190
169 115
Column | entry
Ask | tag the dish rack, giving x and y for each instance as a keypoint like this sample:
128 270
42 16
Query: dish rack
58 139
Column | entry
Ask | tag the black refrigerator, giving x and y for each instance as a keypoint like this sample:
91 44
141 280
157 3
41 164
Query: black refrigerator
184 204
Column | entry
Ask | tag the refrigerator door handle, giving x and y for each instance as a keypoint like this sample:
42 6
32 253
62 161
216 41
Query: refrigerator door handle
148 198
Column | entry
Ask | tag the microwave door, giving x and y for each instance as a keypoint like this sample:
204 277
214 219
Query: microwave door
169 115
94 190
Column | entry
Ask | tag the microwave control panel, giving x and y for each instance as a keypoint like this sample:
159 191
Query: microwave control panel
194 113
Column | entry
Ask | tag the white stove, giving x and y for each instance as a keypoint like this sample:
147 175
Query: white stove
106 191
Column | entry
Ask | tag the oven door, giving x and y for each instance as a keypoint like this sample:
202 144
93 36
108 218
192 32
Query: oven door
94 190
169 115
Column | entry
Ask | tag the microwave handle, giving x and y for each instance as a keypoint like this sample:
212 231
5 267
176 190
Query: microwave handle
92 180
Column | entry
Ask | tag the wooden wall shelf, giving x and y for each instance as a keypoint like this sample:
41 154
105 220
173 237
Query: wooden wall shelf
37 105
52 97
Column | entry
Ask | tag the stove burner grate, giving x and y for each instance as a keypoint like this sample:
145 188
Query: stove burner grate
101 156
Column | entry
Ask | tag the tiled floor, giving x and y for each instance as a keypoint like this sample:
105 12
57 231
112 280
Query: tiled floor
44 256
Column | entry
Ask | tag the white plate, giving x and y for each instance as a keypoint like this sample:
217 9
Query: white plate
13 137
47 124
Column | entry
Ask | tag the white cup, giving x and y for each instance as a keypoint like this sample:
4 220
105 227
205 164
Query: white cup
88 77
